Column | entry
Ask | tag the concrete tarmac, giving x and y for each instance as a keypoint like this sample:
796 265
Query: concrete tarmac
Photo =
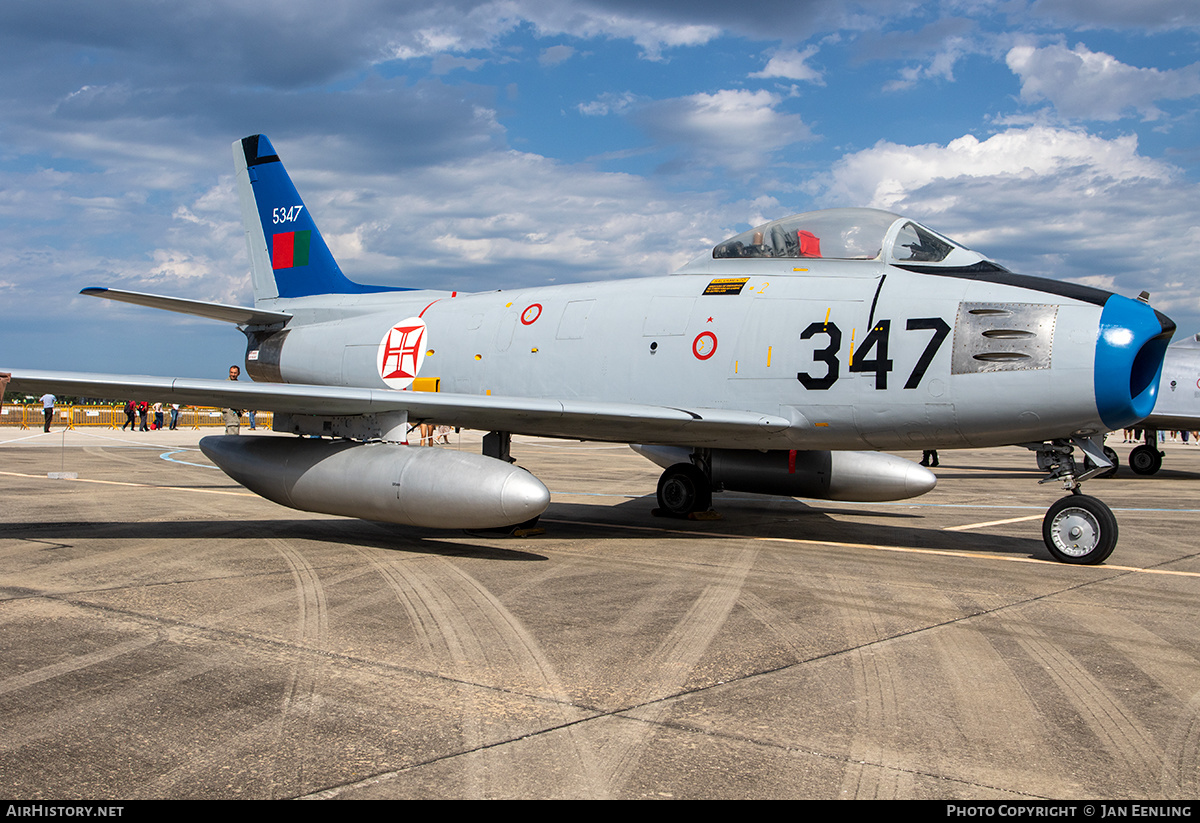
166 634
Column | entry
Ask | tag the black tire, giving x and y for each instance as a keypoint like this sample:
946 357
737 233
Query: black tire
1145 459
684 489
1080 529
1113 458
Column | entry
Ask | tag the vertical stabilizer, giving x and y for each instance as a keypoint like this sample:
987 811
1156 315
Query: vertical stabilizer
288 255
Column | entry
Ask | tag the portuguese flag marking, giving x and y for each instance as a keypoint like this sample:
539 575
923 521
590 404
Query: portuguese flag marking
290 249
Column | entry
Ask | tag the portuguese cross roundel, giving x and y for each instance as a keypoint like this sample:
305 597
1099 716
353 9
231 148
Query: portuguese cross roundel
401 352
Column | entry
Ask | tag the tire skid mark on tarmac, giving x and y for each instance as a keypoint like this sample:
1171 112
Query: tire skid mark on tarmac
74 664
672 663
296 710
872 773
470 637
290 728
1104 714
1175 671
80 718
989 704
1181 771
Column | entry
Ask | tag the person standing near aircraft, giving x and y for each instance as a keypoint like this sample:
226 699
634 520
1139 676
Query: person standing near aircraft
233 417
143 415
174 415
48 408
130 416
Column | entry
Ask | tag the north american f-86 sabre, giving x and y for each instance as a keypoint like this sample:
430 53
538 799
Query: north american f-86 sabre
782 361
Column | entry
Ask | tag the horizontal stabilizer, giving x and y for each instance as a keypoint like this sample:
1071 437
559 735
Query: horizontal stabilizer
242 315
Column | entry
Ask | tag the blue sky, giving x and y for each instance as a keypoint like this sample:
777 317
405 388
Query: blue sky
482 145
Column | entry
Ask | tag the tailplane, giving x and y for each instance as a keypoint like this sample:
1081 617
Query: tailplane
288 255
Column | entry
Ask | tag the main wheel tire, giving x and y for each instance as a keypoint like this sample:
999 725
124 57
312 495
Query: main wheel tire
1080 529
684 489
1145 459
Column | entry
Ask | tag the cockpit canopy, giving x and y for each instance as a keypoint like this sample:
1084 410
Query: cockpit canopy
849 234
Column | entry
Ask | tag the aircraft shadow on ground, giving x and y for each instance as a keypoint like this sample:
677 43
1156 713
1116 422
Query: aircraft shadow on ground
57 535
742 516
782 518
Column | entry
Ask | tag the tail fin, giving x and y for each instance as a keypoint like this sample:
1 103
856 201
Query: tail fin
288 256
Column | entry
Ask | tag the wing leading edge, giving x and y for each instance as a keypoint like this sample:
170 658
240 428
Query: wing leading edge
576 419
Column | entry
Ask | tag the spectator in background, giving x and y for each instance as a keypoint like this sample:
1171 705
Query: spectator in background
233 417
48 408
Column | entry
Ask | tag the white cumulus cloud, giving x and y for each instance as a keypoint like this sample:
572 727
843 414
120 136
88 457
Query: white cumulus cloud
1090 85
1054 202
792 65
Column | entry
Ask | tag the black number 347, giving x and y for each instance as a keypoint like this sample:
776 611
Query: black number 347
873 354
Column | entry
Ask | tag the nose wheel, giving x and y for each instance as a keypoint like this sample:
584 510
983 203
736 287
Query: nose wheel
1080 529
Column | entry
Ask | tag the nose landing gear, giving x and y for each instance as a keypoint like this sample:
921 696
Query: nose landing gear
1077 529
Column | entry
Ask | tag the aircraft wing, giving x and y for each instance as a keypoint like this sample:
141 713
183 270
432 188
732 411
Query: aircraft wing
576 419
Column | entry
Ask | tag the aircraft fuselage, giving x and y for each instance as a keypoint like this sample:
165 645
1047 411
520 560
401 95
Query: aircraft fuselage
855 355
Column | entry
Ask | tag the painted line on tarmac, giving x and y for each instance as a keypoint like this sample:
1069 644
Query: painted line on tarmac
873 547
969 526
167 456
135 485
27 437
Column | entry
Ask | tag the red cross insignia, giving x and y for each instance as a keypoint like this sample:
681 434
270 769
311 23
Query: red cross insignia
400 353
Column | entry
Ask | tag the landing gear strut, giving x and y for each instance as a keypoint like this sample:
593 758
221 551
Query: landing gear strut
1077 529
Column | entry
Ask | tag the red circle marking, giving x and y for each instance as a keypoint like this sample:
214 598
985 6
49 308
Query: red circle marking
704 349
531 313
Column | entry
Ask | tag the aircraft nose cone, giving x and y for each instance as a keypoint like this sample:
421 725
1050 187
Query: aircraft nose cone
523 496
1131 341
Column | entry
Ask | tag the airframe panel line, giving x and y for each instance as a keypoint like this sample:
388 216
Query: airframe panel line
872 547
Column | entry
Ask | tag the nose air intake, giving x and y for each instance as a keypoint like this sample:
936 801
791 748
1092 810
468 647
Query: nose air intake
1130 346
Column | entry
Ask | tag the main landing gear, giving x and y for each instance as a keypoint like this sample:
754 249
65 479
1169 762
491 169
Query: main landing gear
684 489
1077 529
1146 458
